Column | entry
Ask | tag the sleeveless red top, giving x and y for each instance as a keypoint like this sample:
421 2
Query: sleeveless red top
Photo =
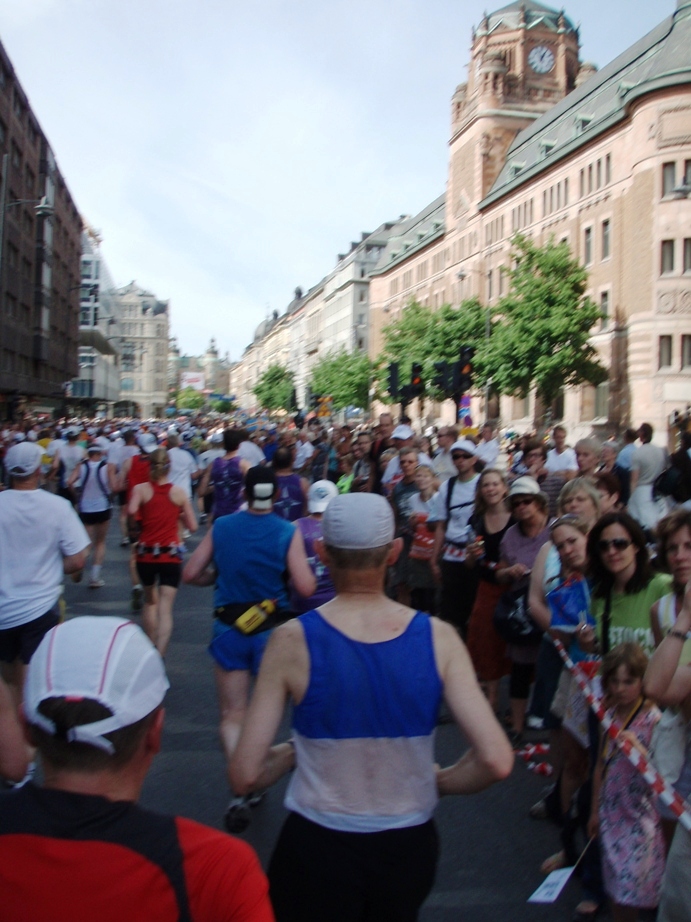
138 473
159 518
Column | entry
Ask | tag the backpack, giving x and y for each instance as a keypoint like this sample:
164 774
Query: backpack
87 474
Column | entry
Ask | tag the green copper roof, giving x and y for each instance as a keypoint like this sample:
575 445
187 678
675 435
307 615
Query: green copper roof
660 59
528 13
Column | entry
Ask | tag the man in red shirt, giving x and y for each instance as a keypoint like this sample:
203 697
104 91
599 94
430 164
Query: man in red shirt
79 848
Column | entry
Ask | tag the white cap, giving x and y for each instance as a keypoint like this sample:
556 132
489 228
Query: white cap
23 459
147 441
103 659
320 495
217 438
524 486
465 445
402 432
358 521
18 437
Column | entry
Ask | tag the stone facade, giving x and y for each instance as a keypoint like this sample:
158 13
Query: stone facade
600 161
144 353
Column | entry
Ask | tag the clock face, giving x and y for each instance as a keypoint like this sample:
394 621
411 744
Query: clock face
541 59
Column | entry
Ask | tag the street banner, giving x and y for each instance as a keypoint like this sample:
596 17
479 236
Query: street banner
193 379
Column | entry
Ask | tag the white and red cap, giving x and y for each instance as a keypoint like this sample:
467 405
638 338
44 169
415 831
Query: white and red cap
103 659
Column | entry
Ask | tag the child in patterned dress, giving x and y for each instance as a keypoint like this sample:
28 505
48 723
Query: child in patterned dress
624 811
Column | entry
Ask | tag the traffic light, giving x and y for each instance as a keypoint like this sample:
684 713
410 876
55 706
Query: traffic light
417 385
463 371
393 380
442 377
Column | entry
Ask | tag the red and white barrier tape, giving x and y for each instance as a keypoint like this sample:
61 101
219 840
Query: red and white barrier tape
664 791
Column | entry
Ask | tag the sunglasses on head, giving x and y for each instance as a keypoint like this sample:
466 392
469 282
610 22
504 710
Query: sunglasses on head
619 544
522 501
460 454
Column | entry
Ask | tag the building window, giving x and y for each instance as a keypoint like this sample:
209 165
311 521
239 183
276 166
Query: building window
601 410
608 169
581 188
599 173
489 285
590 179
588 246
686 351
667 257
687 254
606 239
566 192
664 352
669 173
604 307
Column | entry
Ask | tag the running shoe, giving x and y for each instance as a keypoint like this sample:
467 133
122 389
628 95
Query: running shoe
96 583
125 542
237 817
137 598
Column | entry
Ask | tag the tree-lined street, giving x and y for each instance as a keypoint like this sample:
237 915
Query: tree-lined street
490 848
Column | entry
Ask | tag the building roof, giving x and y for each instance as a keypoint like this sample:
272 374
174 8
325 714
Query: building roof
411 235
661 59
525 12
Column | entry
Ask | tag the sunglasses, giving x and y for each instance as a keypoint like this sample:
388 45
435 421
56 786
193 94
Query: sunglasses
460 455
619 544
526 501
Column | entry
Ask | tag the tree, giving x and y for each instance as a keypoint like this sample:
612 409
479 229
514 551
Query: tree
541 329
428 336
345 376
223 406
189 399
275 388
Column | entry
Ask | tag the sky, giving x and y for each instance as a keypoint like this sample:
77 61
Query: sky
227 151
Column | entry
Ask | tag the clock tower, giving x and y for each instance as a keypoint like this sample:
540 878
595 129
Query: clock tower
524 59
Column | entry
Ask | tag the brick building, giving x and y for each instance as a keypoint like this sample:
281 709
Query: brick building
39 261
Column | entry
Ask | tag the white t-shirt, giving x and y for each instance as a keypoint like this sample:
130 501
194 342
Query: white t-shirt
303 453
487 451
251 452
37 529
650 461
95 495
206 458
566 461
71 453
443 465
182 466
460 510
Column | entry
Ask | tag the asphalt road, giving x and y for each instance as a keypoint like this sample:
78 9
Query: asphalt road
490 848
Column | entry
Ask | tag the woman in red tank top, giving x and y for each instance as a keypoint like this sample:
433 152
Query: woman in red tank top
154 510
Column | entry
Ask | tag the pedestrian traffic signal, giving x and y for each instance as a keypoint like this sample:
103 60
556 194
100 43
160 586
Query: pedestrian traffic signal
417 385
463 371
393 380
442 377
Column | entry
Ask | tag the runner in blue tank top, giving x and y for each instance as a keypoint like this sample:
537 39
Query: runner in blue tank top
366 676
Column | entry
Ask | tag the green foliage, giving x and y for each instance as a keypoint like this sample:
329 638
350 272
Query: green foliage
345 376
540 330
189 399
275 388
223 406
427 336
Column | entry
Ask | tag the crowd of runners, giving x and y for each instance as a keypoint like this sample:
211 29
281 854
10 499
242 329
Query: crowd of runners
366 576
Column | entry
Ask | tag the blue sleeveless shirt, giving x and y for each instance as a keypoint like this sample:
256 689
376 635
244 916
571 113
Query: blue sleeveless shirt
364 732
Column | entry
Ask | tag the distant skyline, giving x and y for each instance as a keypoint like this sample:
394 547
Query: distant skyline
227 152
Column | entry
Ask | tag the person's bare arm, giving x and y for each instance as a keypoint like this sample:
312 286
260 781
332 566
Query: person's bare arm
655 624
537 602
439 535
203 488
490 757
124 471
301 574
665 681
181 499
199 569
508 573
76 473
14 752
633 483
256 763
74 563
